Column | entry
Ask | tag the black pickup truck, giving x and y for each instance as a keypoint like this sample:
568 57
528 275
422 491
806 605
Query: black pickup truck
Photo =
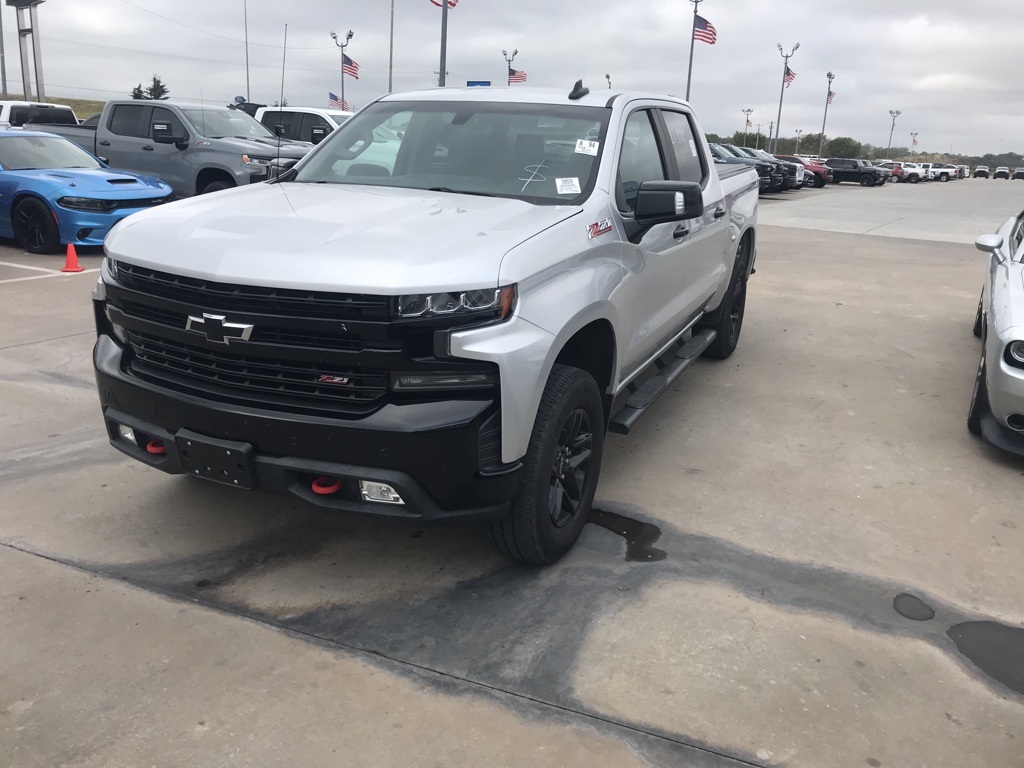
860 171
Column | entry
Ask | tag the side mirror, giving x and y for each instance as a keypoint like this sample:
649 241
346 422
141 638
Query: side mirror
658 202
991 244
319 134
162 133
279 131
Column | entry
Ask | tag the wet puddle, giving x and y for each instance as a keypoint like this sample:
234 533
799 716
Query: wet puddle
639 536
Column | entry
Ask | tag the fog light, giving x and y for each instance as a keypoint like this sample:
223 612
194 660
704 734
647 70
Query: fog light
127 433
1017 351
379 492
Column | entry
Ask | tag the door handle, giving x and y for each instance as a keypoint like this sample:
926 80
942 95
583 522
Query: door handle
681 231
147 148
104 143
719 211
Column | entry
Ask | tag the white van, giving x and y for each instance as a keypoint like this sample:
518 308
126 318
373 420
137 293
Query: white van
310 124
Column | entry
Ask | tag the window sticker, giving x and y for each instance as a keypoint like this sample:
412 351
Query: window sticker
570 186
693 147
587 147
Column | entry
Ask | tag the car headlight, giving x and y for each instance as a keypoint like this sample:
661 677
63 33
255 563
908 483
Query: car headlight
499 303
87 204
260 161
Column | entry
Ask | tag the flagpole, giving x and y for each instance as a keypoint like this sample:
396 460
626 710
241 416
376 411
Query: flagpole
444 43
693 35
245 18
391 54
828 97
782 91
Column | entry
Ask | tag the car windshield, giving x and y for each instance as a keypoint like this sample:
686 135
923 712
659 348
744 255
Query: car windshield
29 153
543 154
221 122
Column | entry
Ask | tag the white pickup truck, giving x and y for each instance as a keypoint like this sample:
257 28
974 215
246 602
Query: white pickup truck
444 324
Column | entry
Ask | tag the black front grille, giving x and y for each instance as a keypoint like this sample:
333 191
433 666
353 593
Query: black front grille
159 360
148 202
253 299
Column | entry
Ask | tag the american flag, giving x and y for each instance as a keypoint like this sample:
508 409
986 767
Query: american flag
349 67
704 30
451 3
915 141
749 124
335 103
516 75
790 76
831 95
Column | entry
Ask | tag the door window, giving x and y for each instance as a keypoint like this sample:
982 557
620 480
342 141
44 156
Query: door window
164 115
640 159
309 122
684 147
127 120
286 119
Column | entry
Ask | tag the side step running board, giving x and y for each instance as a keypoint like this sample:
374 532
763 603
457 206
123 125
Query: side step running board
648 392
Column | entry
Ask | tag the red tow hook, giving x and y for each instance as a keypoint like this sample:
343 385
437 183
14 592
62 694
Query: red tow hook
156 447
325 486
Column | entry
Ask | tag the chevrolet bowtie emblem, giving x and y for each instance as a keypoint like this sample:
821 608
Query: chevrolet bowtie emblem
215 329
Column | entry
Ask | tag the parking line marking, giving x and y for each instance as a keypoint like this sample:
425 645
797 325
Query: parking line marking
51 274
26 266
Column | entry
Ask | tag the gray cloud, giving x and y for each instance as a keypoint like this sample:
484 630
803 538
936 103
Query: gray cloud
951 68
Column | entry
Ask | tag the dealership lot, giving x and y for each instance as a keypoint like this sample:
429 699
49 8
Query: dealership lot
736 600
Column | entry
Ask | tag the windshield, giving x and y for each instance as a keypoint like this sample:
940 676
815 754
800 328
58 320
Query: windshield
544 154
220 122
28 153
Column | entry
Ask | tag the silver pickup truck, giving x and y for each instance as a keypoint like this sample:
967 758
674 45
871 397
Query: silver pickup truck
195 148
444 324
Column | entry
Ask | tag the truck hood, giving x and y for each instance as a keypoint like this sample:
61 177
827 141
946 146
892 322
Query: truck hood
104 184
356 239
293 150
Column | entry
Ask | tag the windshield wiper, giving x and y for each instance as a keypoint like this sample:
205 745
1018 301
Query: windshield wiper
459 191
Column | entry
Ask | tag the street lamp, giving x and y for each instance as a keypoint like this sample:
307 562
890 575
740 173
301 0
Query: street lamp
342 46
913 142
828 100
746 123
508 61
609 79
895 113
785 71
799 133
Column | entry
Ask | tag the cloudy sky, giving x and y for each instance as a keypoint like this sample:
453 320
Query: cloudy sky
952 68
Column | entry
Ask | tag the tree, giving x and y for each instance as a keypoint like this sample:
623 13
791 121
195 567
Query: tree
155 92
843 146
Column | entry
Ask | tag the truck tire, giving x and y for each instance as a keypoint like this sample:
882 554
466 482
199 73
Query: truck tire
979 319
216 186
734 304
979 399
944 177
559 476
820 181
34 226
913 178
867 180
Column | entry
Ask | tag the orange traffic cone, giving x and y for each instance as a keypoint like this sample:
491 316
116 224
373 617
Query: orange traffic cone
71 261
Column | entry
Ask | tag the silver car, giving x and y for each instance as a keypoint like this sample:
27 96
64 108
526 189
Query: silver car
997 403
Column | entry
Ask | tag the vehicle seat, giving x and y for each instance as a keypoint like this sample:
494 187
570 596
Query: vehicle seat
367 169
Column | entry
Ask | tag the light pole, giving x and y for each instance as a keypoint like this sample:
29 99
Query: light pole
693 37
785 71
508 61
757 144
746 123
609 79
828 100
342 46
895 113
913 142
799 133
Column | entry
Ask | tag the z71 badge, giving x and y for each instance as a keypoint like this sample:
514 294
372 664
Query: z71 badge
599 228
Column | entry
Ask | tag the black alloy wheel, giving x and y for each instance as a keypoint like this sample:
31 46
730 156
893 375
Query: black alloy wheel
867 180
730 323
35 227
573 452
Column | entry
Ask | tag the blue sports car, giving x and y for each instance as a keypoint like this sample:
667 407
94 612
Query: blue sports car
52 192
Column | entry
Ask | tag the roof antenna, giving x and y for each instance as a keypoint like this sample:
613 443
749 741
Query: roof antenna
284 57
578 91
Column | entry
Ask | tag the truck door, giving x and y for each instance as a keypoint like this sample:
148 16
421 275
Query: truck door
167 161
121 139
661 290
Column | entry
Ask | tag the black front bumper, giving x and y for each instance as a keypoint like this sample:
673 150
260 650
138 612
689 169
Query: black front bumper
431 453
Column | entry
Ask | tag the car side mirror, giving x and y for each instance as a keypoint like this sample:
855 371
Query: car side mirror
991 244
319 134
279 131
658 202
163 133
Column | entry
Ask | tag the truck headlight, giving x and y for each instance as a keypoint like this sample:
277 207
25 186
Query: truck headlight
499 302
263 162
